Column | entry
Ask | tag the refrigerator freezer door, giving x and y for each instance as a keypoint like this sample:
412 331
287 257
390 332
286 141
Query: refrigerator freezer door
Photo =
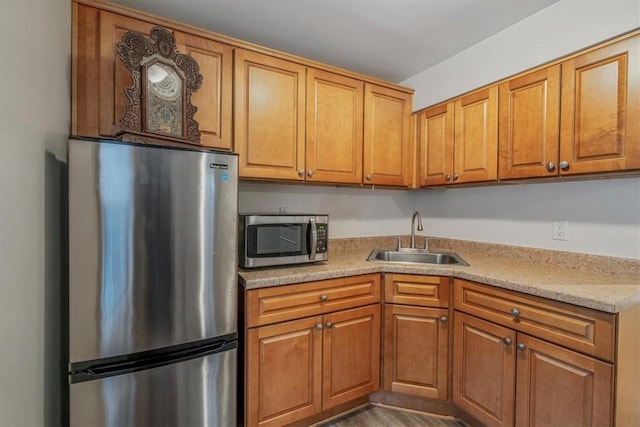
198 392
152 247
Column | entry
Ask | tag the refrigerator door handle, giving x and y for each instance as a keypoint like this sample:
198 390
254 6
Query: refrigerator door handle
107 369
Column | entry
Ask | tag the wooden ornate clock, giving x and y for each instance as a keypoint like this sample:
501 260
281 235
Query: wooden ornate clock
160 106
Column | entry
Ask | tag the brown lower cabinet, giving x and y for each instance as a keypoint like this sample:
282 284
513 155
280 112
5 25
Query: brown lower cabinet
505 378
299 368
416 335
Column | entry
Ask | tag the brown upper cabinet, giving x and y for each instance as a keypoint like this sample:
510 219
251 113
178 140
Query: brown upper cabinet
576 117
269 117
100 78
600 119
458 140
305 124
529 125
387 136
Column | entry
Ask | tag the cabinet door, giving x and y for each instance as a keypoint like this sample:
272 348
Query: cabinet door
213 99
476 137
600 129
114 76
559 387
387 136
269 116
435 145
334 127
416 342
484 370
351 355
283 372
529 125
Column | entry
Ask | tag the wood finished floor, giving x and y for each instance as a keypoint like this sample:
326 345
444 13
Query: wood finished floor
380 416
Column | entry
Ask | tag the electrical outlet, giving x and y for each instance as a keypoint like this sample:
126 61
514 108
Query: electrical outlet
560 230
283 210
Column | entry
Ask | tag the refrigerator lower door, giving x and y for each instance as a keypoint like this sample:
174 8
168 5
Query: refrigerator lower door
196 392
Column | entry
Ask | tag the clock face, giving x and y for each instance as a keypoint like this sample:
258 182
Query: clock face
164 81
164 100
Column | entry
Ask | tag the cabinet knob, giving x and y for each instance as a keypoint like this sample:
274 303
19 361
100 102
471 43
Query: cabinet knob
328 325
455 176
447 177
515 312
564 165
443 319
319 326
369 177
551 166
309 173
521 346
323 297
301 173
507 341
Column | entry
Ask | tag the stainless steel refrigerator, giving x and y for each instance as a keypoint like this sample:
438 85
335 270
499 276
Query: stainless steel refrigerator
152 285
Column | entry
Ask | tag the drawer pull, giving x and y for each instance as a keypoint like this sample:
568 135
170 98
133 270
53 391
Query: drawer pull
319 326
328 325
507 341
444 319
323 297
521 346
515 312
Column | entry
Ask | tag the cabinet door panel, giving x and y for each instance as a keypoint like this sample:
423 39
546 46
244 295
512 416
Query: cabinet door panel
476 136
387 136
409 289
334 127
529 125
351 355
416 351
559 387
114 76
283 372
600 109
484 370
213 99
436 136
269 116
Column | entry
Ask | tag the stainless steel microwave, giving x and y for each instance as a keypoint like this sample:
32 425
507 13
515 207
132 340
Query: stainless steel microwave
281 239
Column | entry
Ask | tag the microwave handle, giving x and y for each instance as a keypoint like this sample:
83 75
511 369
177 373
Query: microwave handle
314 238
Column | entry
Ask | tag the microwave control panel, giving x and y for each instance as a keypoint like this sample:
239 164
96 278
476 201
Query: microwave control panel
321 247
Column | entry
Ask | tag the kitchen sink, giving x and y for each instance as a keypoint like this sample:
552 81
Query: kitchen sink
416 256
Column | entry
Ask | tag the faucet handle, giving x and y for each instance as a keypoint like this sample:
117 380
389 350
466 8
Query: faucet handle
426 243
398 243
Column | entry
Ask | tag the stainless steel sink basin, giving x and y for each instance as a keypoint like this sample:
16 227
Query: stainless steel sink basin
416 256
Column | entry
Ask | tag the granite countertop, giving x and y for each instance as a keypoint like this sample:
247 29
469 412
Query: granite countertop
603 283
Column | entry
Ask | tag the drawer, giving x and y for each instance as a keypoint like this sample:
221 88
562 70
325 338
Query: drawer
578 328
287 302
424 291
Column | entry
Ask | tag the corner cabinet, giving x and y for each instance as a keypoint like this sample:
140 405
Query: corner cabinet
100 78
310 347
416 335
388 154
458 140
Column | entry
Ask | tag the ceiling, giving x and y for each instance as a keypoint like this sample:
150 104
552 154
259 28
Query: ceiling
388 39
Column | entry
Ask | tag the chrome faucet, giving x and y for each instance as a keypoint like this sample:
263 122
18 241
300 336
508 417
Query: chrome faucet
413 231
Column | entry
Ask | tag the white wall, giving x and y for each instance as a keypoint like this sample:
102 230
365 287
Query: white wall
604 216
352 211
34 122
